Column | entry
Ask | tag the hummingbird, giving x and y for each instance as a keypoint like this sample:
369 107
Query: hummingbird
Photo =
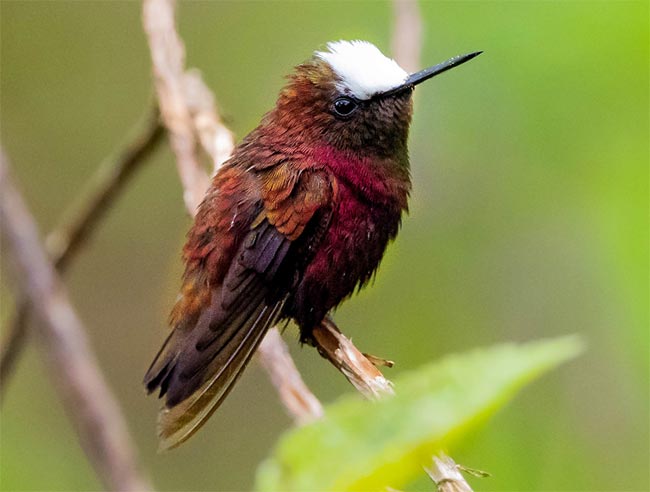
296 220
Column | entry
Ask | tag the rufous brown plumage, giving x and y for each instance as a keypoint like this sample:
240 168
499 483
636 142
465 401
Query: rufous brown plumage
297 219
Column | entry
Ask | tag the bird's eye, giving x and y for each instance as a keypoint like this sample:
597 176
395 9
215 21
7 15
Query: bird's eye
344 106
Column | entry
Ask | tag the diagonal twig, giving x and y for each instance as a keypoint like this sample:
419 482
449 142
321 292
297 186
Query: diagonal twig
274 357
91 406
65 242
168 57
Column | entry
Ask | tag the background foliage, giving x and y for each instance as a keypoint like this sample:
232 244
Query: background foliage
528 219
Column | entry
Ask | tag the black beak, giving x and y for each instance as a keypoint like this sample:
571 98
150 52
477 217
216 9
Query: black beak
419 77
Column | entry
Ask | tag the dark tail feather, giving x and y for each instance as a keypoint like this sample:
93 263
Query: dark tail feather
179 422
197 366
214 339
162 367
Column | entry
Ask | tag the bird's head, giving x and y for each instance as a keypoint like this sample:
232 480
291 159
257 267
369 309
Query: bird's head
353 98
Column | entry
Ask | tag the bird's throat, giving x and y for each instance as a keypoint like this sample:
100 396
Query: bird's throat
379 180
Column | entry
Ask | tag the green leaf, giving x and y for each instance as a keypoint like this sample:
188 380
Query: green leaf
362 445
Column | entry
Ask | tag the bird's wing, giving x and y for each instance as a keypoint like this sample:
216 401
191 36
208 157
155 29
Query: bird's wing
212 343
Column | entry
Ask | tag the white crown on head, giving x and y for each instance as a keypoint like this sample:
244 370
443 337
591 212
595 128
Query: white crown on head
363 70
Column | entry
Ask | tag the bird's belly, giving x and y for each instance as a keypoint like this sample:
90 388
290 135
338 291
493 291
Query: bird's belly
346 258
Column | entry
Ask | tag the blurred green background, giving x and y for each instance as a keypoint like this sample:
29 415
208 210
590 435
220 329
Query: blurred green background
529 218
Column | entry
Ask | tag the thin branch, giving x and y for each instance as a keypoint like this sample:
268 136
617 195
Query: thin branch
168 57
113 174
190 114
274 357
90 404
355 366
65 242
407 34
216 139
